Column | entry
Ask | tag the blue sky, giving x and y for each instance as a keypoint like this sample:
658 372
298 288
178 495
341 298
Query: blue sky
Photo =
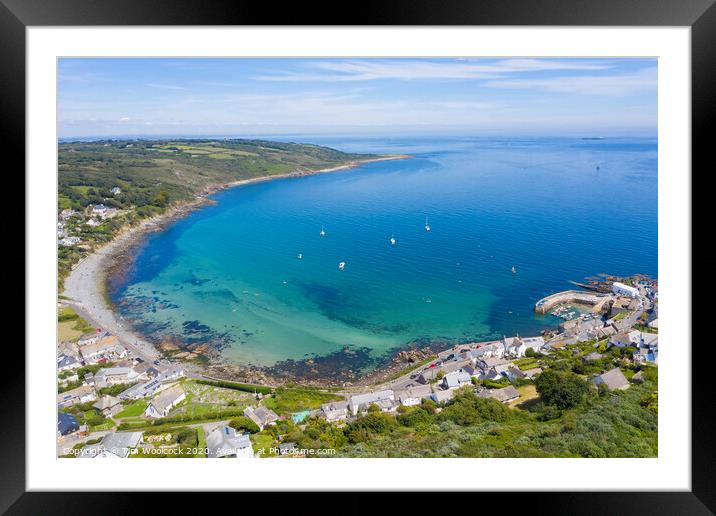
377 96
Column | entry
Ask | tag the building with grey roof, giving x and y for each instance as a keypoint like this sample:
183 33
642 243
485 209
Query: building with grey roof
504 395
224 441
165 401
261 415
613 379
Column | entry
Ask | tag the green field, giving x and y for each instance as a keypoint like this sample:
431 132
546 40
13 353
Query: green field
154 175
286 401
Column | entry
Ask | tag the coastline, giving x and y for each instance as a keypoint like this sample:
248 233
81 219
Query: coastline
85 288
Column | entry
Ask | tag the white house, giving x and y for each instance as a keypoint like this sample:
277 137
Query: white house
413 395
66 363
81 394
456 379
362 401
114 375
116 190
335 410
165 401
621 289
262 416
223 441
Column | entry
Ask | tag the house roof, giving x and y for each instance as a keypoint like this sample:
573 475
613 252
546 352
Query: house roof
613 379
505 394
441 396
530 373
119 443
106 402
64 361
453 379
261 415
335 406
224 441
77 392
66 423
166 398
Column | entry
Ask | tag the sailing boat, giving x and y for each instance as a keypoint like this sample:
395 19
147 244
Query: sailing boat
322 233
427 226
342 265
300 256
514 271
392 237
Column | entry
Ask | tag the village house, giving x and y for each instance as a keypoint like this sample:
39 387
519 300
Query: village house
492 362
262 416
224 441
114 375
69 241
360 402
165 401
113 446
335 410
513 373
67 213
439 396
162 381
67 363
613 379
105 348
413 395
108 405
66 424
81 394
504 395
456 379
91 338
532 373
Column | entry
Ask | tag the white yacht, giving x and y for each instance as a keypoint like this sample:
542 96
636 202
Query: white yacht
392 240
514 271
427 226
342 265
300 256
322 233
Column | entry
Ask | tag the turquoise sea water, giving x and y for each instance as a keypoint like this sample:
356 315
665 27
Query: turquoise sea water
555 209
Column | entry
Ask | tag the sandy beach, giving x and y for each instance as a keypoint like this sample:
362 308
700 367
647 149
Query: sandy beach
84 288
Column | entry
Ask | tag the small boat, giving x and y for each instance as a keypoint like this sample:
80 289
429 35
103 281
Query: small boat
514 271
342 265
392 240
322 233
427 226
300 256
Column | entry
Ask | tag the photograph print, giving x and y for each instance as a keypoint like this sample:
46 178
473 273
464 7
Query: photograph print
274 258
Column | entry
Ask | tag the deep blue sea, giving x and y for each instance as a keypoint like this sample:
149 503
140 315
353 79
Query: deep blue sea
555 209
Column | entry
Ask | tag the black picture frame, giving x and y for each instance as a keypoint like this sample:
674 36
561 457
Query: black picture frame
700 15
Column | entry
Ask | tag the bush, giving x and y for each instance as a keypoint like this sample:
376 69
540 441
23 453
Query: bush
561 389
466 409
415 417
244 423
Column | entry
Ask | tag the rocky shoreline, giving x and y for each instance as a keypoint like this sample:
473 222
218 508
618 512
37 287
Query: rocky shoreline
91 279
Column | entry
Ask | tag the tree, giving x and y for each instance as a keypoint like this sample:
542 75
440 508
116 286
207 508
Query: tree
244 423
561 389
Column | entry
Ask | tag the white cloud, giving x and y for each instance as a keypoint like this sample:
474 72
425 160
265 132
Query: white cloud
412 70
612 85
124 119
166 86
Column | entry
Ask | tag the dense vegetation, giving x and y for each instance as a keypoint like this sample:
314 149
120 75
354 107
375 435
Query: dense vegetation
569 417
606 424
152 175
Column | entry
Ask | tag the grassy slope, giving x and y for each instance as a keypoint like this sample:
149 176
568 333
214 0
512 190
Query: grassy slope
154 175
